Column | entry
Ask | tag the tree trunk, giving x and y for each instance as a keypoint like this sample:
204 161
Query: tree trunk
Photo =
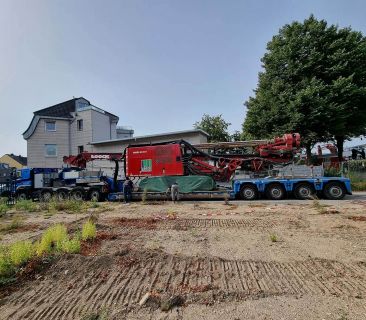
340 141
309 159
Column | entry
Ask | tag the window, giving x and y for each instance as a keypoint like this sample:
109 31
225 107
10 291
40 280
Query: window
80 125
51 150
80 149
50 126
146 165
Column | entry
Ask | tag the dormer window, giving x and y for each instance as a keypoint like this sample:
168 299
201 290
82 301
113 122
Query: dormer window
50 126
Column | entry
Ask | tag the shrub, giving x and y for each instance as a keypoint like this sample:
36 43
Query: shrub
20 252
6 267
358 186
89 230
53 238
71 245
3 208
26 205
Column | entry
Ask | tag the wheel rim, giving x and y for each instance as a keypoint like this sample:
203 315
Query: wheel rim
335 191
22 196
304 192
77 195
94 196
46 196
276 193
248 193
62 195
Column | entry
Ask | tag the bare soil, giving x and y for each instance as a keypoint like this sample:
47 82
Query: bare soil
202 260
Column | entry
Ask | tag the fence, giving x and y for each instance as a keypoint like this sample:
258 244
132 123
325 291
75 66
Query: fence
7 191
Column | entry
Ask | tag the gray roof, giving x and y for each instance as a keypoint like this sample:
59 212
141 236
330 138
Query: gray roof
165 134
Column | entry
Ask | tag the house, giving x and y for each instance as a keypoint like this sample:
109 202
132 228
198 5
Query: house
74 126
14 161
68 128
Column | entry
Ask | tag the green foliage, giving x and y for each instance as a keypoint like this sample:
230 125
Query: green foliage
3 208
26 205
52 239
313 82
71 245
89 230
332 172
15 223
6 267
20 252
215 126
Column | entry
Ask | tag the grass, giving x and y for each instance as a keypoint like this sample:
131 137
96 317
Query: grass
26 205
54 240
89 231
20 252
4 208
144 197
273 238
15 223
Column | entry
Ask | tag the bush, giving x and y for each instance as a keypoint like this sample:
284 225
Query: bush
71 245
89 230
6 267
20 252
3 208
26 205
53 238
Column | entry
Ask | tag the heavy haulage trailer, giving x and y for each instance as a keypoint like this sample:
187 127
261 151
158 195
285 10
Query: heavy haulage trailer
244 170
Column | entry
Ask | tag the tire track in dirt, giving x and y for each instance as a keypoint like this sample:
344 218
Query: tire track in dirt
115 285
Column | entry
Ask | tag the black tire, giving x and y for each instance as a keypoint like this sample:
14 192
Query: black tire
275 191
46 196
62 195
94 195
77 194
334 191
248 192
22 195
304 191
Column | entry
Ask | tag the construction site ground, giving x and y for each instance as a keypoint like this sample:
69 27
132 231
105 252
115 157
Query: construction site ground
201 260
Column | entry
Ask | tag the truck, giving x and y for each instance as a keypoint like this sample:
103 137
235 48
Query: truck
245 170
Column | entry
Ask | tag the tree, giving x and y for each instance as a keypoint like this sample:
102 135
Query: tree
313 82
215 126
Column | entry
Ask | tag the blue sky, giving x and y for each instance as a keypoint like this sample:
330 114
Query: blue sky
158 65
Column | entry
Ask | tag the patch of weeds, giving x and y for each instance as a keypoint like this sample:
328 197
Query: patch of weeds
88 231
15 223
4 208
319 207
6 267
273 238
53 238
26 205
94 204
99 315
20 252
71 245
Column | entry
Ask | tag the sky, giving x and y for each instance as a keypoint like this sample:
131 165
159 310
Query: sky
157 64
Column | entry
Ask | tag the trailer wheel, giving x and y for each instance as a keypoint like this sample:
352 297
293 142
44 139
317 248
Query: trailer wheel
77 194
46 196
275 191
22 195
304 191
94 195
334 191
248 192
62 195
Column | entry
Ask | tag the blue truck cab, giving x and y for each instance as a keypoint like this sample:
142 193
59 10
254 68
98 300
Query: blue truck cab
332 188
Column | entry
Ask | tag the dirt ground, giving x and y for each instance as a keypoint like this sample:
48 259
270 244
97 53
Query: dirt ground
204 260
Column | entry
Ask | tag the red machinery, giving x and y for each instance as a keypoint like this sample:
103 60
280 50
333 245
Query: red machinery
182 158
